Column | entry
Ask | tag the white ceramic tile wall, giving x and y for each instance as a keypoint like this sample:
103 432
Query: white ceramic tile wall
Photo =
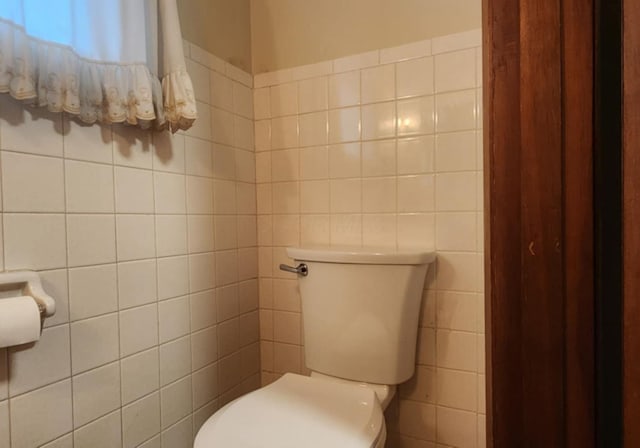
383 149
148 243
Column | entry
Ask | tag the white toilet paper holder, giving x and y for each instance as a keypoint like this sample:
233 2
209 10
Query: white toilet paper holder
30 284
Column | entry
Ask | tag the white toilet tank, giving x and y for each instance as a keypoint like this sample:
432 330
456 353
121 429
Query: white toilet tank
360 310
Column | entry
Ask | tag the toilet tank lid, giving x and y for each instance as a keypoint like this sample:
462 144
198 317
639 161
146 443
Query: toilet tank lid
362 255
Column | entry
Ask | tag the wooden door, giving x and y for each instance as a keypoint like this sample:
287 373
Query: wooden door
538 78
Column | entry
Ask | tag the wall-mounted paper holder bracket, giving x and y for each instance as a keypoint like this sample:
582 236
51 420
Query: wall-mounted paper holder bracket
30 285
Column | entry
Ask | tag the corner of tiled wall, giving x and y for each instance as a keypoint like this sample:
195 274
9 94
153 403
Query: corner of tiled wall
147 241
382 149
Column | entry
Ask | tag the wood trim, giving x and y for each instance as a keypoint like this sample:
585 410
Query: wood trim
539 271
578 81
631 222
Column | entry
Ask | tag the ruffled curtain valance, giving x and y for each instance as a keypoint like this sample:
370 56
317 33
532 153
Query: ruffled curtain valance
116 61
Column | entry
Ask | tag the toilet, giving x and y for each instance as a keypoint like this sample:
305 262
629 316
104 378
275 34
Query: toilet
360 310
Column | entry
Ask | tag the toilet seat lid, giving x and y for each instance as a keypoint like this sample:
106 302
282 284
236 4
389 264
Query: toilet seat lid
297 411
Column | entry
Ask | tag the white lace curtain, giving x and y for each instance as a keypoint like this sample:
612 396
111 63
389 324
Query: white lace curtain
110 61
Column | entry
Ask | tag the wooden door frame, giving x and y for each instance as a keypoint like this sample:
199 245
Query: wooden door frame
539 262
631 223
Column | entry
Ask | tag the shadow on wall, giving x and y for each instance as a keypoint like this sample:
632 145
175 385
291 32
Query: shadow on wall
124 137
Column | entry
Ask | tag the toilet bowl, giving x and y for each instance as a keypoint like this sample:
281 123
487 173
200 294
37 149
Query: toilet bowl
298 411
360 311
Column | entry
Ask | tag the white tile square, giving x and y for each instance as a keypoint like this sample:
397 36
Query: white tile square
94 342
221 91
173 317
284 132
346 196
344 125
52 350
416 193
32 183
416 116
175 360
284 165
200 228
344 89
245 165
171 235
105 432
51 406
198 157
199 195
226 232
96 393
247 231
415 77
313 95
416 230
205 385
262 103
132 146
455 70
315 230
246 198
286 197
170 193
136 283
407 51
457 310
263 167
92 291
221 127
55 283
226 267
346 230
91 239
199 75
284 99
243 129
378 121
31 130
314 196
378 84
93 143
456 231
416 155
225 197
136 237
140 375
89 187
262 135
176 402
224 162
456 191
173 277
242 100
204 348
134 190
345 160
456 151
313 129
141 420
456 427
379 230
138 329
201 272
204 309
379 195
168 152
379 158
314 163
458 271
356 61
34 241
456 111
202 127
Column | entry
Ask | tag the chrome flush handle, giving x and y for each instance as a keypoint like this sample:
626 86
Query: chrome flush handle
301 269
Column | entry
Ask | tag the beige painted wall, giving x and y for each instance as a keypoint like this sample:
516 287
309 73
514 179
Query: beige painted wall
222 27
288 33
